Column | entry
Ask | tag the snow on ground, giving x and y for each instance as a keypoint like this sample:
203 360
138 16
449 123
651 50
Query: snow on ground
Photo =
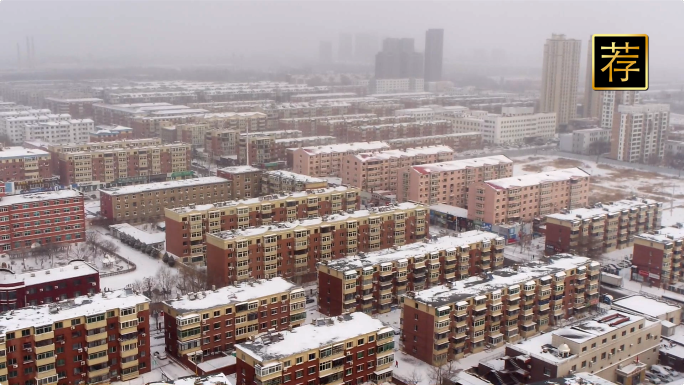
531 253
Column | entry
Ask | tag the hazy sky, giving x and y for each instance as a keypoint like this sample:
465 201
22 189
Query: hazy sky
197 30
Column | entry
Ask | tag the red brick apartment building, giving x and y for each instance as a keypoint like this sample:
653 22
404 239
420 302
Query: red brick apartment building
186 227
448 321
292 249
80 108
310 126
35 219
205 324
350 349
398 130
19 164
89 339
245 181
374 282
603 228
46 286
657 257
460 142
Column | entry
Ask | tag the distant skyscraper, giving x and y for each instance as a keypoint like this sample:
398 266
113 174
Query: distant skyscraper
591 107
345 50
434 44
611 100
325 52
365 47
398 60
560 74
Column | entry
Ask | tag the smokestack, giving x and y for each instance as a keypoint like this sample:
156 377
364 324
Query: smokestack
18 56
28 52
33 51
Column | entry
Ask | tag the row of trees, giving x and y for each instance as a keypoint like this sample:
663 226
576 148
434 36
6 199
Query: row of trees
168 283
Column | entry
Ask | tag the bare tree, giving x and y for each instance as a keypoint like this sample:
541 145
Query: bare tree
80 251
50 250
439 375
165 279
414 378
191 279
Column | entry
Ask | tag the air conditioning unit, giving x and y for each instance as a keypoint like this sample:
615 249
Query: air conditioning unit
15 366
56 287
62 342
73 327
80 350
204 333
144 335
83 374
93 283
82 363
118 377
41 289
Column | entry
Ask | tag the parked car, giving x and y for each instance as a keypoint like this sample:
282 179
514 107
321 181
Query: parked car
310 300
670 370
652 378
160 355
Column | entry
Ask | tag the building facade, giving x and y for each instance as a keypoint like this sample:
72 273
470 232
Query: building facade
15 127
187 227
24 164
78 108
657 257
398 130
459 142
245 181
292 249
434 44
588 141
448 182
64 131
280 181
560 76
146 202
218 143
448 321
639 133
200 325
525 197
323 161
602 229
611 100
374 282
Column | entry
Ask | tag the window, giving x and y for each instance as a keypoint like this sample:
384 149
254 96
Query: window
299 374
311 370
312 356
300 360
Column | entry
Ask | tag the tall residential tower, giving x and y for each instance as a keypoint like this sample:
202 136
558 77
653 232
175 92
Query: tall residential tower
559 78
434 44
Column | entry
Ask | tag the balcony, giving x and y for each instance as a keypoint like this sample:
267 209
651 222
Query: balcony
99 372
97 360
129 376
98 336
125 365
129 352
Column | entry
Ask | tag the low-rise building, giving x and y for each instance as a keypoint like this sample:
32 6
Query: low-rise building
245 181
95 338
603 228
146 202
280 181
20 164
104 133
63 131
374 282
326 161
448 182
417 129
15 127
33 288
589 141
292 249
129 234
353 347
186 227
448 321
657 256
616 346
651 307
378 170
525 197
203 324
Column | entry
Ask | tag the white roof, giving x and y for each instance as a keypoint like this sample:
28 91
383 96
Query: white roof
409 152
465 378
206 366
448 209
162 185
665 235
324 332
239 169
645 305
346 147
539 178
294 176
231 295
20 152
603 209
460 164
411 250
38 197
142 236
72 270
78 307
303 139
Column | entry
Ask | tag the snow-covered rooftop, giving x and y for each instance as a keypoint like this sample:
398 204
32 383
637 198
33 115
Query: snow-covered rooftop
34 316
162 185
74 269
242 292
320 333
460 164
644 305
303 139
665 235
411 250
20 152
330 219
142 236
539 178
213 379
409 152
459 212
294 176
470 287
239 169
582 378
602 209
347 147
38 197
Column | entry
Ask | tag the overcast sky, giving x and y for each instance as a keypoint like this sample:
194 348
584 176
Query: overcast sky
196 30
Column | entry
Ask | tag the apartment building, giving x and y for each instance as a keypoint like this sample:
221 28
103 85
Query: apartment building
104 133
420 114
124 113
323 161
78 108
15 127
518 125
292 249
353 348
448 182
237 106
280 181
33 288
32 220
256 149
560 76
611 100
522 198
299 98
349 127
238 121
146 202
89 339
319 125
398 131
283 148
186 227
220 143
378 170
616 346
281 111
24 164
110 165
459 142
193 133
603 228
448 321
245 181
582 141
639 133
64 131
207 323
658 256
374 282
